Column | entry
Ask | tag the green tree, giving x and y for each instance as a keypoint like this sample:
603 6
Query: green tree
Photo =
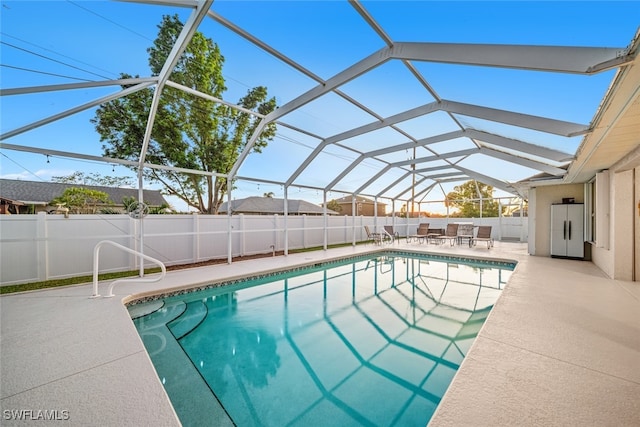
334 205
129 202
189 132
94 178
466 199
81 200
269 195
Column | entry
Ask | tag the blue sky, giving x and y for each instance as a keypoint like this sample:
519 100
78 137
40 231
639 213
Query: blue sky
54 42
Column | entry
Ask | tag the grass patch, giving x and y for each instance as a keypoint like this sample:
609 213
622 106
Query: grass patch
10 289
319 248
24 287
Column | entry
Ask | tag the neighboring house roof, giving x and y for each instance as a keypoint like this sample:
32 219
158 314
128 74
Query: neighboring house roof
7 201
41 193
269 205
359 199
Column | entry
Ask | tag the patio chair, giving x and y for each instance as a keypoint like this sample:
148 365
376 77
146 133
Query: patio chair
465 232
421 233
388 229
373 237
484 235
450 234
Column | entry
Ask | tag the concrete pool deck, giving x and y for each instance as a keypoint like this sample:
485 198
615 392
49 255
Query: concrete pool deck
561 347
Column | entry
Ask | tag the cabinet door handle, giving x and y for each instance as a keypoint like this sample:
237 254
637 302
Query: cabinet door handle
569 230
564 230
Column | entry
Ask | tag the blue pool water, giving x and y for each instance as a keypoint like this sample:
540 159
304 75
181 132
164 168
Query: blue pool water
369 341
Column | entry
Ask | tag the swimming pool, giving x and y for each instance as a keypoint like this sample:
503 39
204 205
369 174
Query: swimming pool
364 341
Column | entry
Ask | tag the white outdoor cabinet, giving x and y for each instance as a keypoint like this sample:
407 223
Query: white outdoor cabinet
567 230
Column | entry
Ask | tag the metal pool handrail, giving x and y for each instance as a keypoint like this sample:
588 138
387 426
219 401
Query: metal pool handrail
96 254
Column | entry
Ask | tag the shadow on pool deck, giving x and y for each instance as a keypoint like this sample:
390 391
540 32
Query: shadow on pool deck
561 347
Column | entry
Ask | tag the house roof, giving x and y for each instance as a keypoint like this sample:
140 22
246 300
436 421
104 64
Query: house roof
359 199
269 205
41 193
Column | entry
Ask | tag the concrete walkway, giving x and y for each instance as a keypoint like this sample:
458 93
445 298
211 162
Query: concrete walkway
561 347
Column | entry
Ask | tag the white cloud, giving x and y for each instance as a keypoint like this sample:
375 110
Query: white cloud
39 175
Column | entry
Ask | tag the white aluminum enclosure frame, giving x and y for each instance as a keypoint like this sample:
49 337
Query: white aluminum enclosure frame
429 169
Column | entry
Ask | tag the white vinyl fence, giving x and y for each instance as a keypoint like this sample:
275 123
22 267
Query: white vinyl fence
42 247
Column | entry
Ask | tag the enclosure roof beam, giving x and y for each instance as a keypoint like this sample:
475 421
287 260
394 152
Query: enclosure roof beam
393 184
372 179
514 144
370 127
543 167
412 199
538 123
397 181
541 124
488 180
80 85
433 168
188 30
67 113
384 170
576 60
419 143
109 160
460 153
445 177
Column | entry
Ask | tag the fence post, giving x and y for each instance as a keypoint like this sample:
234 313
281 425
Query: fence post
241 232
43 246
133 232
304 231
276 231
195 228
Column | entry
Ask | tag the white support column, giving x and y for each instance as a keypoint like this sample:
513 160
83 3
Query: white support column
229 227
286 221
276 233
42 245
131 242
242 234
345 224
393 213
375 214
499 219
324 209
141 222
522 220
304 231
353 216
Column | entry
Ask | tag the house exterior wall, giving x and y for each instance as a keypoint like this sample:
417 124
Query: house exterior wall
636 215
619 257
540 201
363 208
623 225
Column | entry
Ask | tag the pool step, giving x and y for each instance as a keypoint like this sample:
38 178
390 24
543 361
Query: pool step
472 326
194 314
160 316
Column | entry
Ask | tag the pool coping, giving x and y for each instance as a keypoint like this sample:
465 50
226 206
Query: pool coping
143 297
